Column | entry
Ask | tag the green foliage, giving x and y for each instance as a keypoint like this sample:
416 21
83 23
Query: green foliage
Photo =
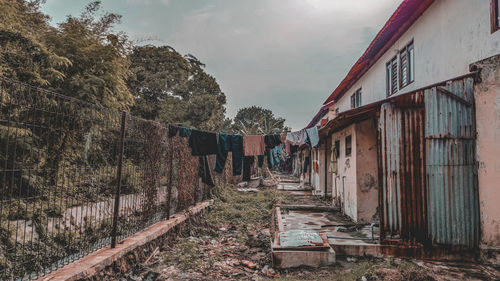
255 120
171 88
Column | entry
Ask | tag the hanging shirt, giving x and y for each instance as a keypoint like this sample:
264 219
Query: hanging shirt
253 145
203 143
312 136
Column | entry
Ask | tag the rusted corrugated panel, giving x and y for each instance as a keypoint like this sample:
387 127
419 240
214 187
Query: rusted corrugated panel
403 198
450 164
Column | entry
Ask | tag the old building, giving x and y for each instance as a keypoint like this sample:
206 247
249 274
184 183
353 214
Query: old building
409 137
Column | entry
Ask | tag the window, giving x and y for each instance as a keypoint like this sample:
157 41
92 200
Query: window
337 148
348 146
406 75
392 76
495 15
356 99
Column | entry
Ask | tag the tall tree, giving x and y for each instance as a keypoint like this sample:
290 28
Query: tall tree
257 120
171 88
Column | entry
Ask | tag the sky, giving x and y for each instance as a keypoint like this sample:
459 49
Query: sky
283 55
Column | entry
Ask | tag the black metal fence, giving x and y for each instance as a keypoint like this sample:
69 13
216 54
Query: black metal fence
75 177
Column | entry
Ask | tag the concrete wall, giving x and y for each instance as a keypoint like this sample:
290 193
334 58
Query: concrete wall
487 99
367 170
450 35
346 181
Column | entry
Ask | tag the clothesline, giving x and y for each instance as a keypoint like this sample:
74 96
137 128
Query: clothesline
243 148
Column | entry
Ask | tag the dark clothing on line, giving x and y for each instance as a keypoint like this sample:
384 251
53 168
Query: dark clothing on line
184 132
205 172
272 140
172 130
203 143
247 164
260 159
223 147
237 153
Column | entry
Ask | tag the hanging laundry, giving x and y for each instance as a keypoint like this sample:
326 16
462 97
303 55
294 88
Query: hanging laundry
172 130
272 140
312 136
297 138
237 153
293 149
223 147
205 172
203 143
283 137
288 147
260 160
253 145
184 132
247 164
270 158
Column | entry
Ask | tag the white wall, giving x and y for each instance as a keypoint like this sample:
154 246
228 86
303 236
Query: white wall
447 38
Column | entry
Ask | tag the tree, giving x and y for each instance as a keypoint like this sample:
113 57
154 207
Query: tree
257 120
171 88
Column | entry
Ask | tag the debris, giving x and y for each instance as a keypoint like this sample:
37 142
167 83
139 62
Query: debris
351 259
272 273
249 264
152 254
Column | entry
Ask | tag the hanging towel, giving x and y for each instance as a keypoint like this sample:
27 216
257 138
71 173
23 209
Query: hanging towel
223 146
272 140
203 143
297 138
288 148
172 130
184 132
312 136
204 171
237 153
253 145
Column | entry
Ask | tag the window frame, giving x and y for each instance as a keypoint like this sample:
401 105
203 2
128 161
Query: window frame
389 74
410 65
348 148
494 10
356 99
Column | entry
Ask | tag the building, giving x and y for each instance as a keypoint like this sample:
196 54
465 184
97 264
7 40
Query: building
414 128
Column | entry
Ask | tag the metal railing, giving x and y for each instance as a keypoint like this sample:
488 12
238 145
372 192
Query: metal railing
76 177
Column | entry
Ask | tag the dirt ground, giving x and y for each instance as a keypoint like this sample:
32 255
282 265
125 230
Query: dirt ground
231 242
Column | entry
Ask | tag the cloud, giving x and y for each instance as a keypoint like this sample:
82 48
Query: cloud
285 55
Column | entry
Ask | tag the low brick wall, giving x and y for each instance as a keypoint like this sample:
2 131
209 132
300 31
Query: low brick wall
132 251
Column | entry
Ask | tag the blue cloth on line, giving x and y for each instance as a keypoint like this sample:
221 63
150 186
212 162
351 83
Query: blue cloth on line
312 136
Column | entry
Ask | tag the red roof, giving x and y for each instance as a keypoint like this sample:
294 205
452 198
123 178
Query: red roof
404 16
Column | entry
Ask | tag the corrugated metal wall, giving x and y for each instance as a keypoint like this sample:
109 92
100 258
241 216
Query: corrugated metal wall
450 165
429 187
402 153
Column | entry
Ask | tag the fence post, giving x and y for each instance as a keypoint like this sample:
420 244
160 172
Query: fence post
118 181
170 175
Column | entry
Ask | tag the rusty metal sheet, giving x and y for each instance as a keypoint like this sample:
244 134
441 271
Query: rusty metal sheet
450 165
403 199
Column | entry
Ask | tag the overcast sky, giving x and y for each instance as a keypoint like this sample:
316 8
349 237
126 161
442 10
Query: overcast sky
284 55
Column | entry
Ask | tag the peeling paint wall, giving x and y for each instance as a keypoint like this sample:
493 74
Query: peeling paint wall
487 102
367 170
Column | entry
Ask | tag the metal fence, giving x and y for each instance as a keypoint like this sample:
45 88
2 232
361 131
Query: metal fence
76 177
